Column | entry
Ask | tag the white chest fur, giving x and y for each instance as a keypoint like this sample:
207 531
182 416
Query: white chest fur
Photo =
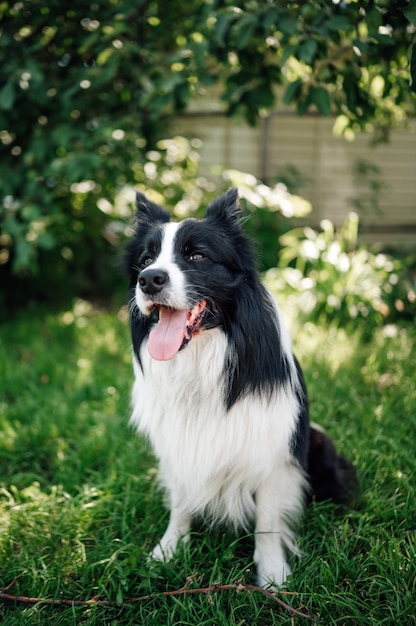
215 459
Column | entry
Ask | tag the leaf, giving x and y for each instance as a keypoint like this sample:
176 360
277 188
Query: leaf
363 46
410 12
222 27
292 91
288 25
339 22
7 97
321 99
264 96
288 52
302 105
350 90
270 19
320 29
181 96
385 40
374 20
308 50
199 51
245 28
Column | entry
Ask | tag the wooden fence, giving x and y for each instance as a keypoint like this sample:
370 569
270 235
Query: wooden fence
335 175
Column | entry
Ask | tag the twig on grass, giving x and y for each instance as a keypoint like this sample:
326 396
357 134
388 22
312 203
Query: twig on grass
16 578
184 591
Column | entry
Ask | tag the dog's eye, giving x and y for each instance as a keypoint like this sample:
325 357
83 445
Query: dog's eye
196 256
147 260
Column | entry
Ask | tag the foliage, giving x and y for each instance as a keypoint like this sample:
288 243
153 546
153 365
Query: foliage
334 279
339 57
79 504
87 88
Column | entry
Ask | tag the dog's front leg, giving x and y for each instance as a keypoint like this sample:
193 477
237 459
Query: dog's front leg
178 529
270 559
278 504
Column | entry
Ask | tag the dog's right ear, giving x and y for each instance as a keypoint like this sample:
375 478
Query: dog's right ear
148 212
226 209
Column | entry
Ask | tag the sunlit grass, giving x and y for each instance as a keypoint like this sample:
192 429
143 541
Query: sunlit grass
80 509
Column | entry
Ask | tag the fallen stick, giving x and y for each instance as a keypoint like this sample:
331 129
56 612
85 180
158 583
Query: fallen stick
184 591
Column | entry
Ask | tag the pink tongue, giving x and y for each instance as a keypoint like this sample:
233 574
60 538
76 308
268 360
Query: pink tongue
167 337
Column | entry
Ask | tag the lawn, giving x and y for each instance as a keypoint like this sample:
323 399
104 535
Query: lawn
80 508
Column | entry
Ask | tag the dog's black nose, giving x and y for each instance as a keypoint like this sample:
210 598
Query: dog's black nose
153 281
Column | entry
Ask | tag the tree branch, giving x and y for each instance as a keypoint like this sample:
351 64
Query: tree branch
184 591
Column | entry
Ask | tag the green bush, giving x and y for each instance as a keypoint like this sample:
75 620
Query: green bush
52 256
329 277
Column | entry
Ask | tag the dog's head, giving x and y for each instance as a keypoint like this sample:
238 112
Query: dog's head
184 274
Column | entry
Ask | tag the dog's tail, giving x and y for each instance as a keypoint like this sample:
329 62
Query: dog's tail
331 476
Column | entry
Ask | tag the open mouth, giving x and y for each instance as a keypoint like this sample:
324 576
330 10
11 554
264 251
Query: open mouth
174 330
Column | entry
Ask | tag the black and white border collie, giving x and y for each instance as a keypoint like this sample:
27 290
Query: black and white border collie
217 389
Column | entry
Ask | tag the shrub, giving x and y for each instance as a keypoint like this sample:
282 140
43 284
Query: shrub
329 277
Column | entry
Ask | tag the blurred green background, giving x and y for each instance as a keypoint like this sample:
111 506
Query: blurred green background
88 93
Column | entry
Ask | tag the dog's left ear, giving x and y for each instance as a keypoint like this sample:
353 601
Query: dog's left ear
226 207
148 212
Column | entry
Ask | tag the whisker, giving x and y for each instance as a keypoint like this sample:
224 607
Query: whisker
133 308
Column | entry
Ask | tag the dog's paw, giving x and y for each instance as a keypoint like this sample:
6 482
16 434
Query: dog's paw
272 576
162 553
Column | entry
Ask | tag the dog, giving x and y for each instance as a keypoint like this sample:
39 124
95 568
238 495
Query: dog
217 389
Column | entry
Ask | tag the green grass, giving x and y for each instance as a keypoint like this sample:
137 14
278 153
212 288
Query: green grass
80 508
